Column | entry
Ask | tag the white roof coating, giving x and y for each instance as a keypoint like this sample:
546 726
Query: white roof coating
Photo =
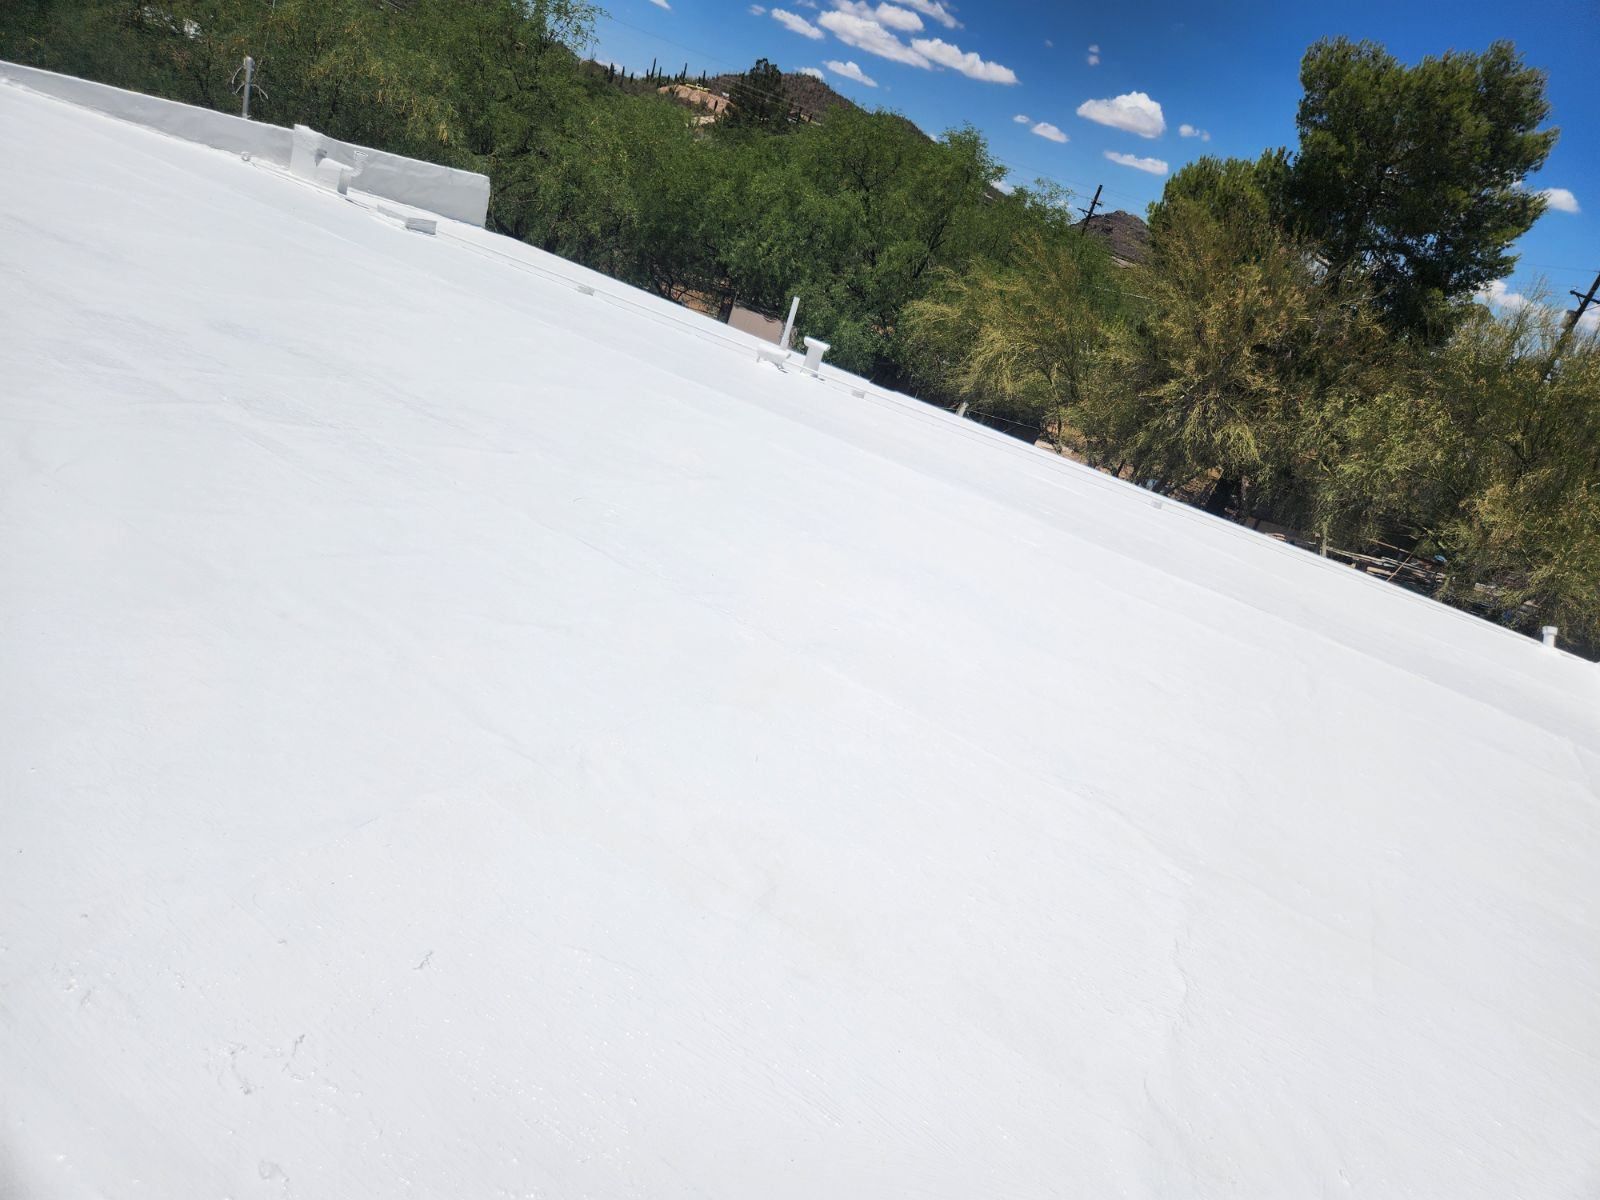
464 737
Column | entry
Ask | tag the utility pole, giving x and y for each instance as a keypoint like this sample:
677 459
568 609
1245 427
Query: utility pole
1093 204
1573 318
1576 314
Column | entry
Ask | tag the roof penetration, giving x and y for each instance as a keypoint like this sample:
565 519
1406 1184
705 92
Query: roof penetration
471 729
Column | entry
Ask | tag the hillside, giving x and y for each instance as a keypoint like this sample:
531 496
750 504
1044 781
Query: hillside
809 96
807 93
1125 235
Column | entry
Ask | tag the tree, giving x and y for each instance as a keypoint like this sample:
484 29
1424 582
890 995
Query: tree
1249 371
756 99
1233 191
1414 174
877 208
1512 502
1021 339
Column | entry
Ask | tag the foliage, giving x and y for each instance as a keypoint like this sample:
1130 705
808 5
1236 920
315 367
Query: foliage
1248 366
1023 339
1515 497
1233 191
1413 174
877 208
756 99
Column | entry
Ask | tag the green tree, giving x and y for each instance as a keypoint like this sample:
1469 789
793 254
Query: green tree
756 100
1233 191
1414 174
875 207
1250 370
1020 340
1512 501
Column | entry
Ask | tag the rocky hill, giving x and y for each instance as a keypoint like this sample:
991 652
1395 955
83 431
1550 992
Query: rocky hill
1127 237
812 96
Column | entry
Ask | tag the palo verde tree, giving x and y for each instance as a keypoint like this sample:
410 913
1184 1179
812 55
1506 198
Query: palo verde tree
1512 500
1019 339
1249 369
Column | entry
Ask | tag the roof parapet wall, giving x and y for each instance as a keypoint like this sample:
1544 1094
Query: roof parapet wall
459 195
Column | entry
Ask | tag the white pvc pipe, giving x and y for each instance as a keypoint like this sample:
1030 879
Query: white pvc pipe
1549 632
788 326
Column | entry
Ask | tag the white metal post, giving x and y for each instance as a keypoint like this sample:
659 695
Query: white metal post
249 77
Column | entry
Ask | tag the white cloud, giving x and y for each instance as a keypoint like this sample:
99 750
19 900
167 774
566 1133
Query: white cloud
1049 45
1093 57
965 61
890 16
1134 112
896 17
849 70
1498 295
662 4
795 23
1022 119
934 9
1004 188
857 24
869 35
1048 131
758 10
1561 200
1153 165
814 72
1187 130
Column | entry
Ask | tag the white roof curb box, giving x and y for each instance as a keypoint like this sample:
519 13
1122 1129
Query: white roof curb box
460 737
458 195
815 349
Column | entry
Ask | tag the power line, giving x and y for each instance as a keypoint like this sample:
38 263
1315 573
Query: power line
653 34
1073 185
1553 267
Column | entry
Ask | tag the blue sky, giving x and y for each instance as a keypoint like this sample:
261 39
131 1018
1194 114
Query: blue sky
1148 71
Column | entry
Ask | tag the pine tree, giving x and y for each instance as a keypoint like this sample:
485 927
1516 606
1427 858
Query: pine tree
1413 175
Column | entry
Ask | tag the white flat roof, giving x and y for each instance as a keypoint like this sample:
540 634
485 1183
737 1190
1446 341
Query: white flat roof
464 737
